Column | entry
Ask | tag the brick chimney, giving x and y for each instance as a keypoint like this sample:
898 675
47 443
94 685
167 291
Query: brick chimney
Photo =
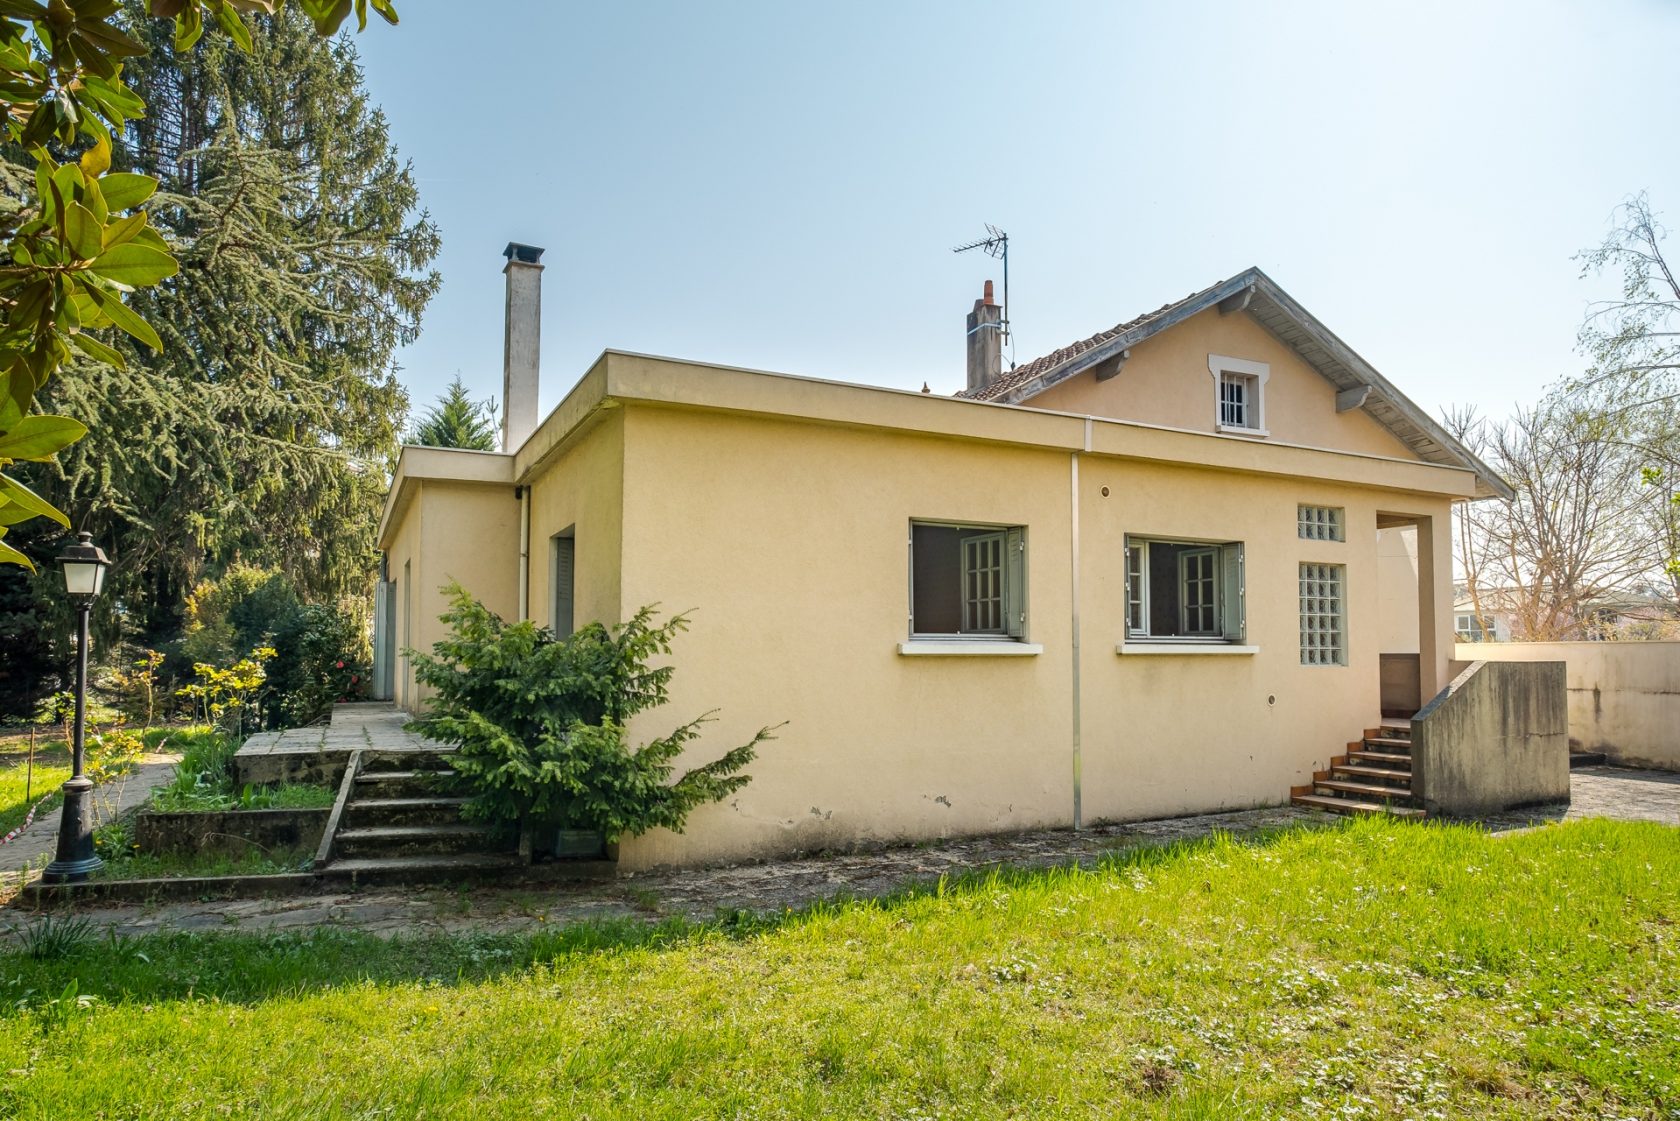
521 344
985 341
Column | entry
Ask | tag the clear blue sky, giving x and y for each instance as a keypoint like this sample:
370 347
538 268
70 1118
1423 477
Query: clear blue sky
778 185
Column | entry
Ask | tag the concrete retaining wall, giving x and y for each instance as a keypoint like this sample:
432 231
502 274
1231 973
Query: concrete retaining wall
233 832
1624 697
1497 737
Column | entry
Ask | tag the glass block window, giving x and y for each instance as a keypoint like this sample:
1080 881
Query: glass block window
1320 523
1323 641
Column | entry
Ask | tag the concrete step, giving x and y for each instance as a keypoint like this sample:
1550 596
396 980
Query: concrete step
1388 743
1365 789
417 840
1354 806
386 761
371 813
1356 771
404 784
469 867
1390 759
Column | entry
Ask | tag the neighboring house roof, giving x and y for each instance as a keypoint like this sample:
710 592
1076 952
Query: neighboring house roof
1256 293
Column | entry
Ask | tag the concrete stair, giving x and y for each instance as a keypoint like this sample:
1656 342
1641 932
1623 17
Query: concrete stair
1373 776
402 824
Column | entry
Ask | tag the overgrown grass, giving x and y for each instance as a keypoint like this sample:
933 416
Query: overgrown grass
204 781
1381 970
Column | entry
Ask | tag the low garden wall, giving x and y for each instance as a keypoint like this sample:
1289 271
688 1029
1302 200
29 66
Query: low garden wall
1494 739
230 832
1624 697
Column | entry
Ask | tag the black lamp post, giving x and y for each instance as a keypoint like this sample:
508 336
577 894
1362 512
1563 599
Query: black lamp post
84 567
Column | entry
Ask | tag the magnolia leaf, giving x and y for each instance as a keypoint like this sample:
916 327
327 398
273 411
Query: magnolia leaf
125 319
135 266
97 350
20 495
9 555
124 190
229 21
96 161
123 230
40 437
188 27
83 231
166 9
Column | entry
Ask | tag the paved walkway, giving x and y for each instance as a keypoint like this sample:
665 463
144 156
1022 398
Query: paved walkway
363 724
34 847
701 893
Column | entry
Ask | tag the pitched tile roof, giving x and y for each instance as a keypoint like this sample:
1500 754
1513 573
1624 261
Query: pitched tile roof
1027 371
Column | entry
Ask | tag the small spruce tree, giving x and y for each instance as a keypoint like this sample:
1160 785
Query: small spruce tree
540 723
457 421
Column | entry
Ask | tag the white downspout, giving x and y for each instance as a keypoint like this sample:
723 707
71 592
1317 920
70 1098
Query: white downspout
524 553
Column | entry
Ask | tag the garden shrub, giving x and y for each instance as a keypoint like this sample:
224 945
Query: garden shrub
321 651
540 723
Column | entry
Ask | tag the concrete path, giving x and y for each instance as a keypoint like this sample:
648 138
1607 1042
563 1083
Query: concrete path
701 893
32 849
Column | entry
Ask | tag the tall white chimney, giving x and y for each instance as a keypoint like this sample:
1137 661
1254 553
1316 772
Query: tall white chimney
522 344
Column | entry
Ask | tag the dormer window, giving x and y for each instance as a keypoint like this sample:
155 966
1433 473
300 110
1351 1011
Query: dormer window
1239 394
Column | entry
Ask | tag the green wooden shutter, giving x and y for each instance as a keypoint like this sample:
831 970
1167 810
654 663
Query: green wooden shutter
1233 604
565 549
1015 583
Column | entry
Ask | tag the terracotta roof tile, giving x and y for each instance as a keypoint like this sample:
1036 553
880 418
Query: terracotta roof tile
1011 380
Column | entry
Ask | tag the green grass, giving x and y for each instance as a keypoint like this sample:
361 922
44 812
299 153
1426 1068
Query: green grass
1383 970
14 806
52 766
148 866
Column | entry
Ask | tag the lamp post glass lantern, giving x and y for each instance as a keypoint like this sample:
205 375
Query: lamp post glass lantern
84 566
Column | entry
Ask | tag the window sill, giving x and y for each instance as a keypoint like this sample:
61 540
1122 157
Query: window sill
1236 430
935 648
1226 648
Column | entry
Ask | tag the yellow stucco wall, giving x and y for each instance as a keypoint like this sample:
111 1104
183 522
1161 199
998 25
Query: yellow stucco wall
467 532
1166 381
581 489
789 542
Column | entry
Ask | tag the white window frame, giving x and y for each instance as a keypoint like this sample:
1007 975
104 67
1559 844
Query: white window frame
1320 584
1227 580
1011 577
1321 523
1251 374
1479 630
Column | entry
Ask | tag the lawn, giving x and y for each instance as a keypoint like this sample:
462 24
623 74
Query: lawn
1378 970
52 767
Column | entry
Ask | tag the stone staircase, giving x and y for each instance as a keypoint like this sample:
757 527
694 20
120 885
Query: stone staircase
397 823
1375 776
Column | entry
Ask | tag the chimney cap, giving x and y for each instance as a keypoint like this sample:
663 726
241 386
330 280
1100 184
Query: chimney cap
528 254
987 299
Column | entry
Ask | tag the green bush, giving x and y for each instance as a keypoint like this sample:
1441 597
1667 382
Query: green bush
321 653
539 722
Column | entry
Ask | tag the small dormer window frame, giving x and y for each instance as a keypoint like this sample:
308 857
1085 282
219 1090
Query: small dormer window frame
1239 395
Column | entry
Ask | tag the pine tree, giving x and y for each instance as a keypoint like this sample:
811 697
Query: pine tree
457 421
265 429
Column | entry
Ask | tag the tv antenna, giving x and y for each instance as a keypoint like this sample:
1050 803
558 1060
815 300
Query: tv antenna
996 244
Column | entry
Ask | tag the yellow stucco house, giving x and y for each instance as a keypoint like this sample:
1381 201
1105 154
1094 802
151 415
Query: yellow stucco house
1134 578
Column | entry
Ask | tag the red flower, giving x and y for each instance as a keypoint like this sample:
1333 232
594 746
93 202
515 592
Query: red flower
340 665
354 679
